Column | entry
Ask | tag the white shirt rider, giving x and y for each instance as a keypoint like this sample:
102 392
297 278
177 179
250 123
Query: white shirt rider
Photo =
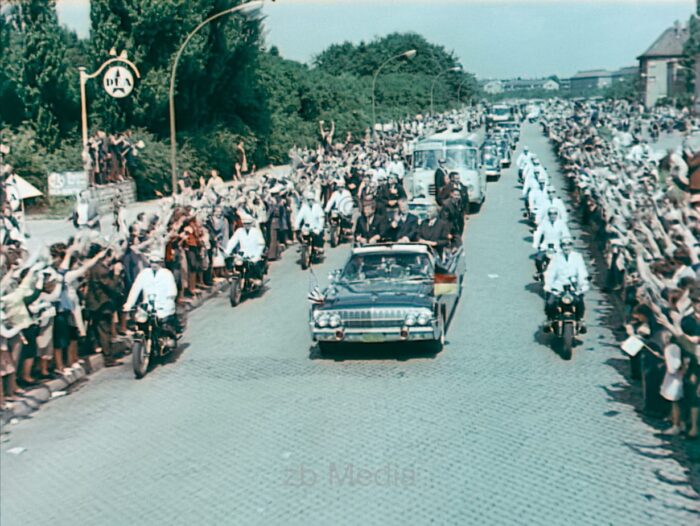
562 269
311 214
154 281
249 240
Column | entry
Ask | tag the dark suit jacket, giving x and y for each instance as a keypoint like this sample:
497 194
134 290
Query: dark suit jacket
103 289
369 230
439 232
406 228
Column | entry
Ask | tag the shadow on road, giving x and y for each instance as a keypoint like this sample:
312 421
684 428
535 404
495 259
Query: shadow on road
374 351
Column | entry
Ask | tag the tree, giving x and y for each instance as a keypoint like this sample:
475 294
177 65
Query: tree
44 95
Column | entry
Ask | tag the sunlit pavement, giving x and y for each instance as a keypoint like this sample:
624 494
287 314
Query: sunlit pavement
246 428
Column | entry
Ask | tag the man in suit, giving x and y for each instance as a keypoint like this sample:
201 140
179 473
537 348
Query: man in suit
434 231
403 226
370 226
441 179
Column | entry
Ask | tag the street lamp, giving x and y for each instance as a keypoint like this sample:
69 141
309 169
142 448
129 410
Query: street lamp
407 55
432 87
246 8
459 90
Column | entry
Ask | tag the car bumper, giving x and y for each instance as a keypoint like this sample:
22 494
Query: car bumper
377 335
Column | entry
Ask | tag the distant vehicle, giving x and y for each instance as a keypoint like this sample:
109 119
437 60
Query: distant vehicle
497 114
490 161
399 292
511 128
461 154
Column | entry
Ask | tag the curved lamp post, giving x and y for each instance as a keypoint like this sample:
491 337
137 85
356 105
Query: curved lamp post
459 90
432 87
245 8
406 54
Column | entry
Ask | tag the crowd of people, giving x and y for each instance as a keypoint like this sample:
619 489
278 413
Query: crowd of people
643 210
64 301
110 158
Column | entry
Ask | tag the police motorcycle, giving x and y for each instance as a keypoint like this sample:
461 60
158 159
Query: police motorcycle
340 221
565 323
245 277
154 338
309 253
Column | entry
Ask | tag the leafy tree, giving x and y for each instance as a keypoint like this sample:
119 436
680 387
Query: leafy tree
43 93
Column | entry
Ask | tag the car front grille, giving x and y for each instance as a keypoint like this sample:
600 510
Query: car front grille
373 318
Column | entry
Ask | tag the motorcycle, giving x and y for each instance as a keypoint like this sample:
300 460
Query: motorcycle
339 226
151 339
240 280
308 252
566 323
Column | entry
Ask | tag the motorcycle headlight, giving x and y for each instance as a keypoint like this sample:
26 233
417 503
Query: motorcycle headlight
323 320
567 300
238 261
410 320
423 319
334 321
305 230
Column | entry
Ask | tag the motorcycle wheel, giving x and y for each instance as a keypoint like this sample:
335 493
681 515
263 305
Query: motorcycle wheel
567 341
335 237
235 292
140 357
305 257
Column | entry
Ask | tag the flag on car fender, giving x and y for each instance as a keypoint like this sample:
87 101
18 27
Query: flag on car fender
445 284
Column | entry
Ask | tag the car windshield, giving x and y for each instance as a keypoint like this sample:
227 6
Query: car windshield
407 266
501 111
461 158
426 159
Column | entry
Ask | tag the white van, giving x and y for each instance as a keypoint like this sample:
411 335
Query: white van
461 154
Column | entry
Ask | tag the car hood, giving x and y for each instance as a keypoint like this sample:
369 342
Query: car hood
385 294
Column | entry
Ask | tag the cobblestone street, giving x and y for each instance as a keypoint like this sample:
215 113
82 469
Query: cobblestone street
249 426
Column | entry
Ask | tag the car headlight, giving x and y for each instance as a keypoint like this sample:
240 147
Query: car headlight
323 320
424 319
334 321
410 320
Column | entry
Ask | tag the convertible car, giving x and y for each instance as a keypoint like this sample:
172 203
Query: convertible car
389 293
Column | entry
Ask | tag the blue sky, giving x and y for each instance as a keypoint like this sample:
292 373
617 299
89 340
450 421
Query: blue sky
493 38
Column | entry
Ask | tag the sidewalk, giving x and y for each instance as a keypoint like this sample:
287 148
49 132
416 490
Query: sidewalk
48 231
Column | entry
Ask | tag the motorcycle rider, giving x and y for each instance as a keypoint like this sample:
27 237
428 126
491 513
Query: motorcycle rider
536 198
552 201
159 282
566 267
549 233
311 214
250 242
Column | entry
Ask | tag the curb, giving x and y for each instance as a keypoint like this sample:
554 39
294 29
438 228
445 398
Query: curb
35 397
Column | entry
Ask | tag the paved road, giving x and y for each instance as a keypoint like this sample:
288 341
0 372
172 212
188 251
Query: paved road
247 427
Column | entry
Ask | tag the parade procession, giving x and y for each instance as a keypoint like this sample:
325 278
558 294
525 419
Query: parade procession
318 263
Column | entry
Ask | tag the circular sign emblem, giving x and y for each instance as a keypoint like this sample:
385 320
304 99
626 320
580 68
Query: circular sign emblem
118 82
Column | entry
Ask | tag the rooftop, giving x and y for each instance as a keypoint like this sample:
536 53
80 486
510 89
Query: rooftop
669 44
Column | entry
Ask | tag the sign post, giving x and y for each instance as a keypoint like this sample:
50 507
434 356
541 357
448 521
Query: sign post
118 82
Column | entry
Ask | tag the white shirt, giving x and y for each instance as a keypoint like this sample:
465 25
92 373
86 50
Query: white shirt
160 284
549 233
339 197
397 167
562 269
250 242
556 203
523 158
311 215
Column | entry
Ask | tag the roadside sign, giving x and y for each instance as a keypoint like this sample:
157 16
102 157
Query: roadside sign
67 183
118 82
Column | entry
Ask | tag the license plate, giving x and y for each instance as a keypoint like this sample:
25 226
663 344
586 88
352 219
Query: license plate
372 338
